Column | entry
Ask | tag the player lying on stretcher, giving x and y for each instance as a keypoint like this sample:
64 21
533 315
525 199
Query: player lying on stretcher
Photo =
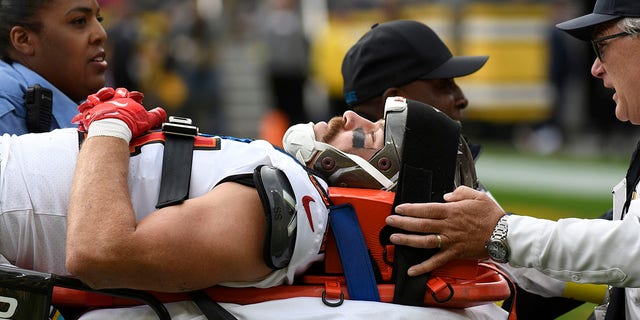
254 216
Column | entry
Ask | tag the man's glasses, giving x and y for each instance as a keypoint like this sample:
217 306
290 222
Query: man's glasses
596 43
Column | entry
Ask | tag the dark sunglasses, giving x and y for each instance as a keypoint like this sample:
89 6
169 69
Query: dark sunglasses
596 42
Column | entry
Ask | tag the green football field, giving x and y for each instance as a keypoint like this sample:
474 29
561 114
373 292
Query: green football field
551 187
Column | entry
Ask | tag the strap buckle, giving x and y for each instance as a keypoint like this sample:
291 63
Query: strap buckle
180 126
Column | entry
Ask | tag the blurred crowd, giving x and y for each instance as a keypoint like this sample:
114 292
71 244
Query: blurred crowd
169 52
174 53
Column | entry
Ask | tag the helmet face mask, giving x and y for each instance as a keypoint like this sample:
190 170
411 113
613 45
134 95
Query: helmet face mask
340 170
382 171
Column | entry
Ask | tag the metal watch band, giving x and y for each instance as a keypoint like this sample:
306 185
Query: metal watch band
500 231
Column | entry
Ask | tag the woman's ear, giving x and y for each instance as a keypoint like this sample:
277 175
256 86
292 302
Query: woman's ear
22 40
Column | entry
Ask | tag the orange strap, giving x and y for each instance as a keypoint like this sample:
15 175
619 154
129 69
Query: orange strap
437 287
332 291
512 287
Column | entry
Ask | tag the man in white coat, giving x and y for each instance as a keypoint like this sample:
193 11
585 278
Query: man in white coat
598 251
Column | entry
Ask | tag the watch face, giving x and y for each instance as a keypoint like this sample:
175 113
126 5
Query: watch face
497 251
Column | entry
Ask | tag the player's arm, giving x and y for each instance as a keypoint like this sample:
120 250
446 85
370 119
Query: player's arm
213 238
216 237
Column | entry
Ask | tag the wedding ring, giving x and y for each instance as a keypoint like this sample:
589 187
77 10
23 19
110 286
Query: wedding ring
439 241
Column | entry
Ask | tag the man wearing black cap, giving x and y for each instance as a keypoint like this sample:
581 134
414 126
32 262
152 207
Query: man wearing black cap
405 58
471 225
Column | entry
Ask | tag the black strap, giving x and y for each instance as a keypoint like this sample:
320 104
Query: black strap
429 151
174 189
616 306
177 161
416 187
211 309
632 178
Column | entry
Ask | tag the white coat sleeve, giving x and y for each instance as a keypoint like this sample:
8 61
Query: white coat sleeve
578 250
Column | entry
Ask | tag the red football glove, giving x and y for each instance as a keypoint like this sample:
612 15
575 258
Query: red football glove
119 104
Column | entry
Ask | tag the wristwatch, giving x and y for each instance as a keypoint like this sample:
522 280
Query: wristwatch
497 246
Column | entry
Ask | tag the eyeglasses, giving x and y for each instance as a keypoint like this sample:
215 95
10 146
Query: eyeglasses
597 47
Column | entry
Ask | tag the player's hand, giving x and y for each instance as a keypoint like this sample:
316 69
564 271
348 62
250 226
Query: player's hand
119 104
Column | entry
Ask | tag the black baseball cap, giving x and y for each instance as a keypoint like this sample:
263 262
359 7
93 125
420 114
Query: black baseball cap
395 53
604 11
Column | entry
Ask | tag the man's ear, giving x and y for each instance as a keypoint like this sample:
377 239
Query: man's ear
22 40
392 92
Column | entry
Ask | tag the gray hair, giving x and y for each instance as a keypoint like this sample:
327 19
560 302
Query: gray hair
630 25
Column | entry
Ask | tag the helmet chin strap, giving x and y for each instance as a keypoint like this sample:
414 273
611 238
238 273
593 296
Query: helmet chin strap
300 141
372 171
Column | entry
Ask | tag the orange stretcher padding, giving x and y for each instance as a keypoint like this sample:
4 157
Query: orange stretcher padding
459 284
487 287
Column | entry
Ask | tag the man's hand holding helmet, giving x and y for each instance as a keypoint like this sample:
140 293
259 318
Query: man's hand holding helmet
117 113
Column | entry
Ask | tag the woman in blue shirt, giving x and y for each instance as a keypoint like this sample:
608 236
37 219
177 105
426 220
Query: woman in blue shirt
56 44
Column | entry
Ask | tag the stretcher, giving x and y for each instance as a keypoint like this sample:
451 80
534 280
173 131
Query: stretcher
26 294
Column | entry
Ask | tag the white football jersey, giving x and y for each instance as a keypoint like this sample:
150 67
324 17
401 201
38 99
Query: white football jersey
36 172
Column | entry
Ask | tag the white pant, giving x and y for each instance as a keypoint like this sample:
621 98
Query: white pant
306 308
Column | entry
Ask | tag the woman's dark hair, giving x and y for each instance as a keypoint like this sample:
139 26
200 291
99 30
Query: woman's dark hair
18 13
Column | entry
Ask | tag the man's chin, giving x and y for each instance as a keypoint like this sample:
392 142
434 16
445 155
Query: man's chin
623 116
